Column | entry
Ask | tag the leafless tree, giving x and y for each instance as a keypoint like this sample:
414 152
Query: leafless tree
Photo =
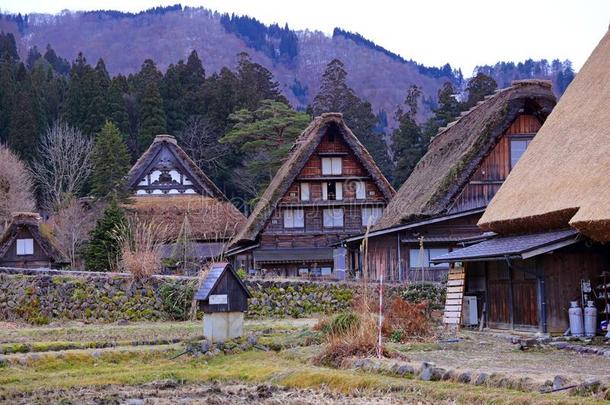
200 141
71 225
15 186
63 164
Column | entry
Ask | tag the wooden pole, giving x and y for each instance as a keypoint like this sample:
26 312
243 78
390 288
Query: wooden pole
379 346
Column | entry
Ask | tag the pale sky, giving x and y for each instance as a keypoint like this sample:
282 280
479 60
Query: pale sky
464 33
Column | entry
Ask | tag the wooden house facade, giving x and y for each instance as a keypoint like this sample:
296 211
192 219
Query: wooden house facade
170 190
437 208
328 189
27 243
550 220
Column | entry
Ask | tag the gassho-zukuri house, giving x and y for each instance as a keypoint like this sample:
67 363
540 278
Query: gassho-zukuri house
437 208
28 243
551 220
328 188
169 189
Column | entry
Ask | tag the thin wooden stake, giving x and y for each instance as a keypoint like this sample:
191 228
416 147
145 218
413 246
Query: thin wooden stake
379 346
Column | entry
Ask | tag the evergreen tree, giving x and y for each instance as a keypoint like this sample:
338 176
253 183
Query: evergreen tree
152 116
80 93
8 47
408 142
448 109
255 83
336 96
477 88
8 88
264 136
25 120
103 250
110 164
33 57
117 107
97 111
60 65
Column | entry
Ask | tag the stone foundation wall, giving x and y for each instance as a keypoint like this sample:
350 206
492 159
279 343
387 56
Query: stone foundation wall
41 297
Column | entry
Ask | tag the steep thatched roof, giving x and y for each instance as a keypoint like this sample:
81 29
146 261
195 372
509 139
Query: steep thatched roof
456 152
42 235
197 176
564 177
208 218
300 153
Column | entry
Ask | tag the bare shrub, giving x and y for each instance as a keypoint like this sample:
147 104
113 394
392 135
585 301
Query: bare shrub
63 164
15 186
140 248
406 321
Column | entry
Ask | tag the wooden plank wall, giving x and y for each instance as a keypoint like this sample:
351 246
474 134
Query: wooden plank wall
455 293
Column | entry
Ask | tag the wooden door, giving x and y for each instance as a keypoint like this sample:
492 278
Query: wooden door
525 300
498 288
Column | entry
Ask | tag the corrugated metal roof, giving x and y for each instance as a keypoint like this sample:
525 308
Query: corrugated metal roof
210 281
511 246
294 255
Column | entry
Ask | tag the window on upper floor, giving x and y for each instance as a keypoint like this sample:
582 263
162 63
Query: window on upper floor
294 218
421 258
333 217
371 214
331 166
360 190
304 191
332 190
25 247
517 149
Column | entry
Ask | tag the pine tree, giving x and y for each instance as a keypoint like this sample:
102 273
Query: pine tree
80 93
152 116
408 142
110 164
103 249
264 136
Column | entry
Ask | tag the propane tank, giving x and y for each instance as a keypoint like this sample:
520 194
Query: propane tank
590 319
575 312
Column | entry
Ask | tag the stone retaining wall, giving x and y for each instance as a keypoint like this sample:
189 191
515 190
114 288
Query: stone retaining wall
43 296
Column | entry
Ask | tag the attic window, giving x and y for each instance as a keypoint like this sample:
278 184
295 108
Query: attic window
331 166
25 247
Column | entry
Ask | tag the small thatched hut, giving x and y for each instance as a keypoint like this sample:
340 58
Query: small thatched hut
170 190
438 206
552 217
327 189
28 243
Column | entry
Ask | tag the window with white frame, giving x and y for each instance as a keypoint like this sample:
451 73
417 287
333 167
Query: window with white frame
304 191
360 190
332 217
371 214
294 218
419 258
332 190
25 247
331 166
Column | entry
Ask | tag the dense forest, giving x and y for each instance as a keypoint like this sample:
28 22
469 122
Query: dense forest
236 124
296 59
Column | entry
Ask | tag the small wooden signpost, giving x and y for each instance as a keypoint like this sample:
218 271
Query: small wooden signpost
223 297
